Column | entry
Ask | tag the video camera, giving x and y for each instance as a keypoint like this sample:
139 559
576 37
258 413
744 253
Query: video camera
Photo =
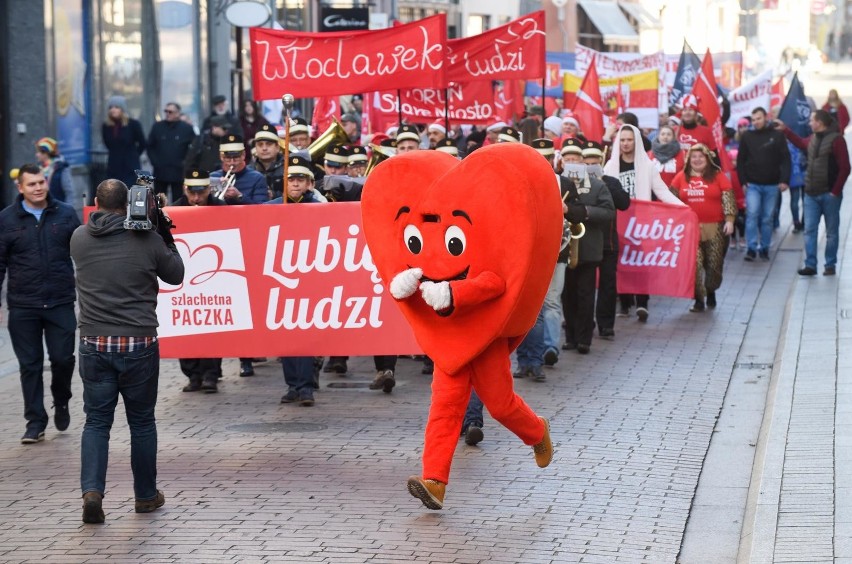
143 205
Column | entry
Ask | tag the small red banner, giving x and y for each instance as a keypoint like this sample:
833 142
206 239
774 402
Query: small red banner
658 244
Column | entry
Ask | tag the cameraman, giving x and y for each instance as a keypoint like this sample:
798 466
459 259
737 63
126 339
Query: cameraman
117 286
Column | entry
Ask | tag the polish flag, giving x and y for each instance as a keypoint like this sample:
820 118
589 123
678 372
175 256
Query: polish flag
588 106
704 90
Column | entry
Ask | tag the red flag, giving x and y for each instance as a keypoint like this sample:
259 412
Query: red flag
588 106
325 108
777 94
619 98
708 105
509 100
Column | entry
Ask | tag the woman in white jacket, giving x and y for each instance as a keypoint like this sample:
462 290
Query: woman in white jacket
640 179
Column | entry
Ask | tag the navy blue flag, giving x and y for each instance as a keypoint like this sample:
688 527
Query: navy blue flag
796 111
687 71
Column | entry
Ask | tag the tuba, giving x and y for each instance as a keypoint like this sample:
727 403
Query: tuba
378 154
334 135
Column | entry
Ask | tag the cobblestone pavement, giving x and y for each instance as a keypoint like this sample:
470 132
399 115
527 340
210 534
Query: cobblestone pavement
249 479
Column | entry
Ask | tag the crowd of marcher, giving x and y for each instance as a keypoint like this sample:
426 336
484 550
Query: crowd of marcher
239 160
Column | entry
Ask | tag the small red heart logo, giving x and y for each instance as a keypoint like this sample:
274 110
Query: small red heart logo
495 216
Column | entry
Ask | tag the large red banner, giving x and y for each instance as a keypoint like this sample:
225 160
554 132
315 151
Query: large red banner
472 102
277 280
658 244
325 64
514 50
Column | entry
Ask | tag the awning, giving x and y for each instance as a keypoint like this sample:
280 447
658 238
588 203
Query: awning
638 12
610 22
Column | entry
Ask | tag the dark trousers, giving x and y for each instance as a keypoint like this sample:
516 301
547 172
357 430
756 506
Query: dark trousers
135 377
298 372
201 369
473 413
629 300
607 291
173 189
578 303
30 329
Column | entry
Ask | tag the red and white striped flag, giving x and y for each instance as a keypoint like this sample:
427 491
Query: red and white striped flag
588 106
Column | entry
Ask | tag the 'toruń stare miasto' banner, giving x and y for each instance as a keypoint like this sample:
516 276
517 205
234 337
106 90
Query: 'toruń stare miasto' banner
277 280
325 64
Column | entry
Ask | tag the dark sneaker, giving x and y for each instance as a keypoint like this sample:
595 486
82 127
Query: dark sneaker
149 505
306 397
473 435
807 271
61 417
246 369
798 228
764 255
607 334
623 312
193 386
93 511
711 300
428 367
32 436
210 386
537 374
829 271
336 365
698 306
750 256
583 349
551 357
521 372
291 396
642 314
569 346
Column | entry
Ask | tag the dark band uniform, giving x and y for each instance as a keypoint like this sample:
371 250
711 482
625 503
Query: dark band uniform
250 183
274 174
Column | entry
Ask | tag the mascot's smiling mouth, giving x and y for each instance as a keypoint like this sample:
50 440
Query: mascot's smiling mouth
460 276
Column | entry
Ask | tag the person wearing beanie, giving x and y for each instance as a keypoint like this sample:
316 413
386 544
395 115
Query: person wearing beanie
125 141
436 132
55 169
553 130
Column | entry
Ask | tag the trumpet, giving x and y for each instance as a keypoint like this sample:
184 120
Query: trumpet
225 182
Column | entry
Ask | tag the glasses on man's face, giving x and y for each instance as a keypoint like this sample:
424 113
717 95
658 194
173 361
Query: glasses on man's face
170 111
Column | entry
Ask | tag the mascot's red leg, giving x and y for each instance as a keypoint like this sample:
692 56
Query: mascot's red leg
491 377
450 395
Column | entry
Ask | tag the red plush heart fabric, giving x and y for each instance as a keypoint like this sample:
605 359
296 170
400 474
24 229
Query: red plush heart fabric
490 224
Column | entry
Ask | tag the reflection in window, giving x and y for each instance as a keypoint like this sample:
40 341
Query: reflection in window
178 74
122 44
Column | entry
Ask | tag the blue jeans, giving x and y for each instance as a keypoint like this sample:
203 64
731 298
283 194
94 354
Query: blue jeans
827 206
761 200
298 372
552 309
531 349
29 330
473 414
134 375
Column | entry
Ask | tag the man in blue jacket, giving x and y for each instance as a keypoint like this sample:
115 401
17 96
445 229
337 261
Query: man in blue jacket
35 233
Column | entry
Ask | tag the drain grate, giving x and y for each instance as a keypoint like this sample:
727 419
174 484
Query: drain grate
348 385
277 427
754 365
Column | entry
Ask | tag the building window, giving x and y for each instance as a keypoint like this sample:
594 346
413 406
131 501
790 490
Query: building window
476 24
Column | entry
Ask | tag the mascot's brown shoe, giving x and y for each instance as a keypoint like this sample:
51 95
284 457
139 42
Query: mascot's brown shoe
430 492
543 450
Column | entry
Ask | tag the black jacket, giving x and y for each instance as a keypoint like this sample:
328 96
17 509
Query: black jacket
204 154
621 200
36 254
168 144
763 157
125 144
117 271
274 175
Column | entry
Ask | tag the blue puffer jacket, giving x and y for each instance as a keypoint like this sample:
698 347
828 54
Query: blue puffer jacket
37 254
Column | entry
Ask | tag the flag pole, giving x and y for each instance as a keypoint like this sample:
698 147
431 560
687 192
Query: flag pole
399 107
543 90
447 111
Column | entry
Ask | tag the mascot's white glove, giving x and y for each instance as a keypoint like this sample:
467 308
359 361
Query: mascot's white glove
405 283
437 295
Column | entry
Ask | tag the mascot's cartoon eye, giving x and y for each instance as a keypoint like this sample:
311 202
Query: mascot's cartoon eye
455 240
413 239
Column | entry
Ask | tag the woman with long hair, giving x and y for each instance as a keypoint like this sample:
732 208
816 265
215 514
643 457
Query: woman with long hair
124 140
704 188
251 120
835 106
666 154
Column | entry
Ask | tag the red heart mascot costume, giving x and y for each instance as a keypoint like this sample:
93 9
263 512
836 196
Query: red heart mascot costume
469 248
